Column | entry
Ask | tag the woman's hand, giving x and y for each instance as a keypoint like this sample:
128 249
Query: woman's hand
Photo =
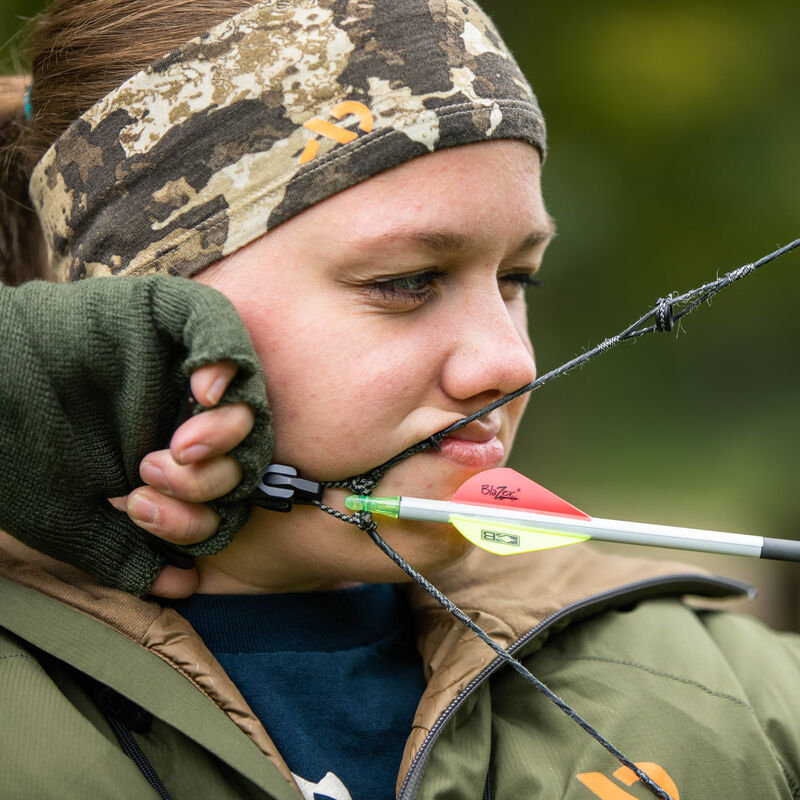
92 377
195 469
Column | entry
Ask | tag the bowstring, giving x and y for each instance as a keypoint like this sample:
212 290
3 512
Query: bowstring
662 317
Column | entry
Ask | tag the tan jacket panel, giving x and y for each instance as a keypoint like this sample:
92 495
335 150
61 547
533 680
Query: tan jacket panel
507 597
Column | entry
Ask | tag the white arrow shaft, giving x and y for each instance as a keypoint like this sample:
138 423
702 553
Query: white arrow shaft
605 530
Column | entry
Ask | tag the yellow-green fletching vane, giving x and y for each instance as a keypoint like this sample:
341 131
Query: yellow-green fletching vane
503 539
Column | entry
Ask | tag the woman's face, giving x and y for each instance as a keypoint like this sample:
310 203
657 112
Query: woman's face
382 315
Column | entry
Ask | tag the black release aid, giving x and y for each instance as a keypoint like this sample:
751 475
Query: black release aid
280 487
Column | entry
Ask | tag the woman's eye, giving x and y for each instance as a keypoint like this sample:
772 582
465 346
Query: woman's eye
416 289
512 283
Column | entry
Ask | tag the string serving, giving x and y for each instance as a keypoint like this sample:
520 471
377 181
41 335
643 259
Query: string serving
662 318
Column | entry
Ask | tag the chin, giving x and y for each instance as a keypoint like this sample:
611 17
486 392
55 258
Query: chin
428 547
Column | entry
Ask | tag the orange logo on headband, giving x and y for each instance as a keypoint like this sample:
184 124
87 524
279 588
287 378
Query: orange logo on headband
331 131
605 789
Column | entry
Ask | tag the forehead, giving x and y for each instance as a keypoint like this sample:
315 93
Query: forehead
479 198
479 187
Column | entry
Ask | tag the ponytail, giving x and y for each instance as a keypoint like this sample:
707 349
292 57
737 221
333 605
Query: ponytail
22 249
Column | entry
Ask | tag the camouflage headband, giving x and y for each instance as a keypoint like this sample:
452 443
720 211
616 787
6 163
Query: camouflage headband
270 112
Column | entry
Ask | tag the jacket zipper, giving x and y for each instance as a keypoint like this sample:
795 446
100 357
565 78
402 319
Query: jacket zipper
410 785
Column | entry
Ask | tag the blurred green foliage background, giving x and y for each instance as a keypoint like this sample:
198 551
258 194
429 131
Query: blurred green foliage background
674 156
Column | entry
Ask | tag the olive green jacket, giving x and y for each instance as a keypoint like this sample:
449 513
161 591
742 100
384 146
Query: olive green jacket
708 702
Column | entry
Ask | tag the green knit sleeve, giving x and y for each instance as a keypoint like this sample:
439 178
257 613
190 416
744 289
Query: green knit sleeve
93 378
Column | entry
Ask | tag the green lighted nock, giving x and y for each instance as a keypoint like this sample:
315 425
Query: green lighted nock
388 506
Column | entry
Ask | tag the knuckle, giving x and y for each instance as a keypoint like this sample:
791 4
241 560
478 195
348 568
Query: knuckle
202 481
192 523
196 486
234 422
222 476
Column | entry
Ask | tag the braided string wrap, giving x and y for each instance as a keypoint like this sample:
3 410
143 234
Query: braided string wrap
662 317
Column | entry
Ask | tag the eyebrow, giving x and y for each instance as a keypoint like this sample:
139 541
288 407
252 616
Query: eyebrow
449 241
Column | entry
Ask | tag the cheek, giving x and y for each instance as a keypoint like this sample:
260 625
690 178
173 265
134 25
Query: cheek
516 408
340 391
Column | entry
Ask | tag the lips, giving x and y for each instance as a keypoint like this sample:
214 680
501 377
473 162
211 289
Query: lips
477 455
476 445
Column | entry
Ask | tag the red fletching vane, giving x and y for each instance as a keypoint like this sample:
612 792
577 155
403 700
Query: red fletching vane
506 488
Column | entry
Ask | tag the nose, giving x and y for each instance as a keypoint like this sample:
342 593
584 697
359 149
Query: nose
492 353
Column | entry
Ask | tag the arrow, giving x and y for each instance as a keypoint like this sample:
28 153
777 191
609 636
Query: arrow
506 513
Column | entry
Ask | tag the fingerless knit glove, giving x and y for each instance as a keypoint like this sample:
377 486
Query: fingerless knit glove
93 378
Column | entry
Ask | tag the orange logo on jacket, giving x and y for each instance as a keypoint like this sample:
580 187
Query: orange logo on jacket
331 131
605 789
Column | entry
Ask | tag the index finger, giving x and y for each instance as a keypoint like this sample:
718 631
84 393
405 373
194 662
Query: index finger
212 432
209 382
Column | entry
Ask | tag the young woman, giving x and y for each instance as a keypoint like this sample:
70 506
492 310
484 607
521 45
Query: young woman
361 182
